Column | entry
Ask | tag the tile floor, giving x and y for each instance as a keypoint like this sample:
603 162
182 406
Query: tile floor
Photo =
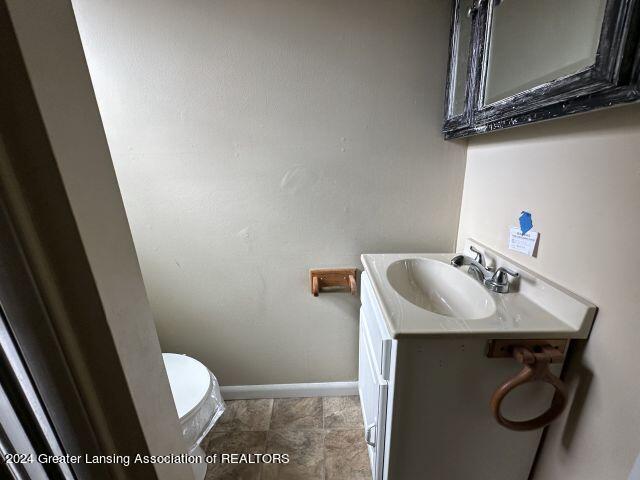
323 437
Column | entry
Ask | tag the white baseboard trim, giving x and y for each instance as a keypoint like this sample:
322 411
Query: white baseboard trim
289 390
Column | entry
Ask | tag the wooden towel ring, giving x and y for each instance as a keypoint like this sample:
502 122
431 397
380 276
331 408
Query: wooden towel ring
536 368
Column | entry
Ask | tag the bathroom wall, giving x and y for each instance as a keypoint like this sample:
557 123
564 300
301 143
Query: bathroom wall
580 178
255 140
66 206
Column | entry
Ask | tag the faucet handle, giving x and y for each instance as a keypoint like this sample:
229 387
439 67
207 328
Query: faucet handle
498 282
479 256
501 275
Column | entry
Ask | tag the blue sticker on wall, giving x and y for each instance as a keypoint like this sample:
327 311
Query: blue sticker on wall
526 223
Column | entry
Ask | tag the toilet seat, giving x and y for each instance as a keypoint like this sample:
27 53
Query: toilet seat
196 394
190 382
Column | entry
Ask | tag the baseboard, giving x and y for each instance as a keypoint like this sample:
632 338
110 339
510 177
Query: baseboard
288 390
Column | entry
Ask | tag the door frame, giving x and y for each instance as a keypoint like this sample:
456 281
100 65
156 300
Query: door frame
70 283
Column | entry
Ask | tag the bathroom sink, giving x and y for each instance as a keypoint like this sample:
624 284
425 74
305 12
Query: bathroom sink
440 288
423 294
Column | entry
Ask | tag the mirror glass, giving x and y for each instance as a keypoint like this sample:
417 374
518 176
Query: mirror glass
536 41
461 64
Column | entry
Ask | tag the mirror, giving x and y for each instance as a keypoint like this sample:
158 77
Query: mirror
460 65
513 62
532 42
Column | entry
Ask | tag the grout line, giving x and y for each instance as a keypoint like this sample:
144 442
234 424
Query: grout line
324 451
324 434
273 405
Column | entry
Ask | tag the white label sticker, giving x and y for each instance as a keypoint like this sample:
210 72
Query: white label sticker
523 243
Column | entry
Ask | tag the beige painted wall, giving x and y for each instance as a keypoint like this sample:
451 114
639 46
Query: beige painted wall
580 178
255 140
51 48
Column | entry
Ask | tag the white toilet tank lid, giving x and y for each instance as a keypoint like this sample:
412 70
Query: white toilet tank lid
189 379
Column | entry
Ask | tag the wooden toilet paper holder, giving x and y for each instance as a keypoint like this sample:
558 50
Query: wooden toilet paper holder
320 278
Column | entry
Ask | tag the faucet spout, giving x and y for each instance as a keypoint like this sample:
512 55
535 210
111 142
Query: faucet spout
476 266
495 281
460 260
480 272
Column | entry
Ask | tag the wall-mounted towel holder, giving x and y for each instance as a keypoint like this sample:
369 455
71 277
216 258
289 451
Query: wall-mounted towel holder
320 278
535 357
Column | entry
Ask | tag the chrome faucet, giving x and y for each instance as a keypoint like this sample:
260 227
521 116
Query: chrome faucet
495 281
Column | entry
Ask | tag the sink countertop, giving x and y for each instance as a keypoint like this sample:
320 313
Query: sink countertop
537 308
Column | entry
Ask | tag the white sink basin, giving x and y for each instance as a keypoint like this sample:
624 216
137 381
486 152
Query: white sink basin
440 288
422 294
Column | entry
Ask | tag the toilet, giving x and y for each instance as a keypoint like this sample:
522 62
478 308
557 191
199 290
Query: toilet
196 394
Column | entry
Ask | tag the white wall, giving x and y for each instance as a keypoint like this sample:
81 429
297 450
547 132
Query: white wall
580 178
255 140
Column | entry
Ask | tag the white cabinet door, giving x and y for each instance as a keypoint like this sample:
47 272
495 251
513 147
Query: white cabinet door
373 398
378 334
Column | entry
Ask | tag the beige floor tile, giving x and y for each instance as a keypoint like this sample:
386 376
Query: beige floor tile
322 436
346 456
342 413
220 442
246 415
297 413
306 456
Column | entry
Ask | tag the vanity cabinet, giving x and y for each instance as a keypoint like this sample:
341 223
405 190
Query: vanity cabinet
373 379
425 403
374 391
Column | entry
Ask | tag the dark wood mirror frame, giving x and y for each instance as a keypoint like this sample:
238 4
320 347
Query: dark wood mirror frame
613 79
